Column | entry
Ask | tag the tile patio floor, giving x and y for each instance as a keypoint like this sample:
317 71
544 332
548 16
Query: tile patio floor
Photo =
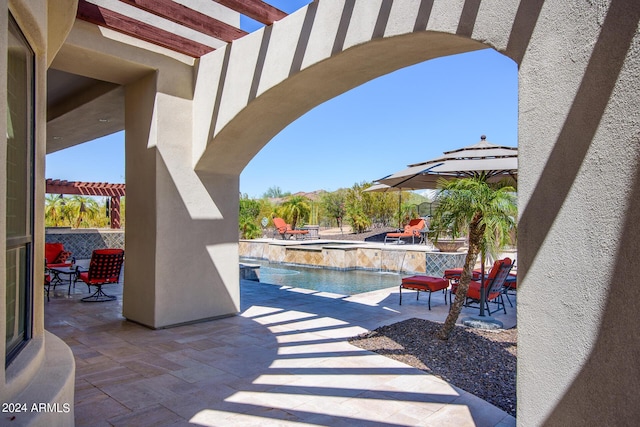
283 361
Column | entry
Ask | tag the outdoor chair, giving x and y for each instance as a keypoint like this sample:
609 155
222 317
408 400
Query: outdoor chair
55 255
412 230
47 284
493 283
453 274
286 231
104 268
510 286
424 284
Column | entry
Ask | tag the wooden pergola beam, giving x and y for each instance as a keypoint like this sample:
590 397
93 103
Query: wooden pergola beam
124 24
56 186
255 9
190 18
114 191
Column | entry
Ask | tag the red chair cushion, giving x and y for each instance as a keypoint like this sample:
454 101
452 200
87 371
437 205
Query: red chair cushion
455 273
84 276
474 291
62 257
52 250
62 264
425 283
399 234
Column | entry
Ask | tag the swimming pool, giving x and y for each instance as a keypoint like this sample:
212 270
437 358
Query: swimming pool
349 282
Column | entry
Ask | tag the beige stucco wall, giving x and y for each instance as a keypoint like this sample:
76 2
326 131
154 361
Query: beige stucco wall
579 219
44 369
578 140
191 132
181 239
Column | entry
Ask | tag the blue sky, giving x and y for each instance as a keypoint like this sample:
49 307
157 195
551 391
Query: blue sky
376 129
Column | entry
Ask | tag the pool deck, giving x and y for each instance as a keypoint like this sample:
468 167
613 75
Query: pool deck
284 360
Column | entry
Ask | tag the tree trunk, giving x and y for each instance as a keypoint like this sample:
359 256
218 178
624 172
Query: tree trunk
475 238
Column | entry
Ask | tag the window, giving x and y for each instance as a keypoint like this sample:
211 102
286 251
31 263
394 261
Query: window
19 201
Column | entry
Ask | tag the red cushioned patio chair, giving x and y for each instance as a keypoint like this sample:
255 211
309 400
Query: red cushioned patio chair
56 256
104 268
286 231
494 284
510 286
412 230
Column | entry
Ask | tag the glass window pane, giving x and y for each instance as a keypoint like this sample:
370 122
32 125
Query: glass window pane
18 136
16 287
19 198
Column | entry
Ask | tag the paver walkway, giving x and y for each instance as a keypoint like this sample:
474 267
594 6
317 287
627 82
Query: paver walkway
284 360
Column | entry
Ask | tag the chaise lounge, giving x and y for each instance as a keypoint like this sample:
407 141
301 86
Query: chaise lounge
493 284
286 231
412 230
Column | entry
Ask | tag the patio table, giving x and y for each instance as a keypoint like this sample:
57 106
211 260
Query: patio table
57 272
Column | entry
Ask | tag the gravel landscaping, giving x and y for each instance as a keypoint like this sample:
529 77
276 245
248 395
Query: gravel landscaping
478 361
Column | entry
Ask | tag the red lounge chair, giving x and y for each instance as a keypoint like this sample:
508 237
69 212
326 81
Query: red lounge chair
104 268
494 284
412 230
285 229
424 284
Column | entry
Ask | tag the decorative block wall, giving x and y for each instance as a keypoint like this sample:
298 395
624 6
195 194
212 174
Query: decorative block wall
82 242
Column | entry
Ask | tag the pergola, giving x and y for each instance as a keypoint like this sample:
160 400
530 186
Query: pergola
135 18
114 191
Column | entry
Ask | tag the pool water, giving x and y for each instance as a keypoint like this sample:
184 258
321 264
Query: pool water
349 282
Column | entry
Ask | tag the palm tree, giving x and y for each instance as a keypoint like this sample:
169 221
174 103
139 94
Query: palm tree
55 210
84 209
297 208
487 213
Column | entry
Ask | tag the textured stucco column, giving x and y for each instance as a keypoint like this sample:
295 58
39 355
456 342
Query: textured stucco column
181 234
579 157
579 197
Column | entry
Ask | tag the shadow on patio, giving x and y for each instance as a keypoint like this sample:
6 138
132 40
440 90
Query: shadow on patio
284 360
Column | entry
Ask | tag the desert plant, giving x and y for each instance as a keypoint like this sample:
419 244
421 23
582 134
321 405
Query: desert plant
359 221
249 229
486 213
297 208
333 204
55 210
84 210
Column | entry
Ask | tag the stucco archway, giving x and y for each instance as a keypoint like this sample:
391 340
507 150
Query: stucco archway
188 137
570 101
